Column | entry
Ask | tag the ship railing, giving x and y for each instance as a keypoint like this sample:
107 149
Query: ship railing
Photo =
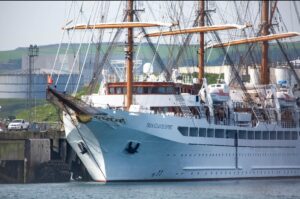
288 124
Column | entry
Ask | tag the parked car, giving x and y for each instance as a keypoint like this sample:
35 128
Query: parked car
18 124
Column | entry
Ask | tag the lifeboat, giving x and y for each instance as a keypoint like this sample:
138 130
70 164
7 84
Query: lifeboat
286 98
218 92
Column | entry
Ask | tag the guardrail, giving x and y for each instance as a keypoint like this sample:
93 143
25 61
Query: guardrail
46 126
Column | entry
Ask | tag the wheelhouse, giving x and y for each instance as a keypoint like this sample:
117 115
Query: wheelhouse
149 88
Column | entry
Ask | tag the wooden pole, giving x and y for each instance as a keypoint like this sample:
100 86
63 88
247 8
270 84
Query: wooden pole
265 72
129 63
201 47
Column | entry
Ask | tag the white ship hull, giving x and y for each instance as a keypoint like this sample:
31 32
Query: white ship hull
165 154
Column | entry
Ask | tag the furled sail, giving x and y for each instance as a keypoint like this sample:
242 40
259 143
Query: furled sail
197 30
256 39
118 25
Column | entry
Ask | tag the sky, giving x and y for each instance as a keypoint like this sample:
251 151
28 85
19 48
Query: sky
24 23
39 22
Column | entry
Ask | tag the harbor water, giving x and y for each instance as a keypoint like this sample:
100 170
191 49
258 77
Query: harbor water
227 189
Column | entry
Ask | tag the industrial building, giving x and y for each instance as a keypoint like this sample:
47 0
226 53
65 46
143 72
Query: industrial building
18 84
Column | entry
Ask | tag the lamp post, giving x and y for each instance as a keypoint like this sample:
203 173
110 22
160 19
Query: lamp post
33 51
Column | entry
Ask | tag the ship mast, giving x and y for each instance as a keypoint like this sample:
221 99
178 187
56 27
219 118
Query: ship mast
128 51
264 70
201 39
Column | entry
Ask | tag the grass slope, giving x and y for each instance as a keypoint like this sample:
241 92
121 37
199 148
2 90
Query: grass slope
42 113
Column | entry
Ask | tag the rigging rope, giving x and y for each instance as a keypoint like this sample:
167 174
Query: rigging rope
86 53
80 11
62 37
297 11
227 49
157 45
79 47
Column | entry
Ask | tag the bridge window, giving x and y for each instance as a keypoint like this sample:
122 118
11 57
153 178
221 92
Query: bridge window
219 133
250 135
294 135
230 134
242 134
265 135
183 130
287 135
257 135
272 135
202 132
279 135
194 132
210 133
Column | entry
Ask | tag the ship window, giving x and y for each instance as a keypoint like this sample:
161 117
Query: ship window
210 133
145 90
257 135
139 90
272 135
250 135
265 135
202 132
158 90
161 90
134 90
294 135
170 90
218 85
287 135
279 135
242 134
230 133
183 130
194 132
219 133
119 90
112 90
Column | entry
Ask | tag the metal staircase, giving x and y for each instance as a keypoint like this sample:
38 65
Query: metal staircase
184 108
272 115
259 115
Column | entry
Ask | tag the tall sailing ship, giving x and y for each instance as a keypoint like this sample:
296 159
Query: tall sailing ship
169 130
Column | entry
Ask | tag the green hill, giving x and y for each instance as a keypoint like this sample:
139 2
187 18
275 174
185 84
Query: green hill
12 59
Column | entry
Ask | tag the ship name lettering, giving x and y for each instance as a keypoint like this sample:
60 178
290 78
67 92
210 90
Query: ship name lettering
159 126
110 119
